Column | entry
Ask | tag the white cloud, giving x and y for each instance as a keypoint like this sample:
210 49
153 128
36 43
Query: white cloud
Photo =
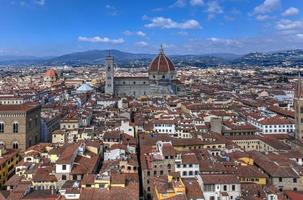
213 9
182 33
141 44
262 17
138 33
196 2
157 9
179 4
223 41
286 24
112 11
98 39
40 2
168 23
291 12
267 6
300 35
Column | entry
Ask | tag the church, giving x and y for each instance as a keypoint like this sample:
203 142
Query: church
161 79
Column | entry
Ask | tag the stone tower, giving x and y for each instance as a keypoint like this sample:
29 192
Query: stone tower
109 83
298 103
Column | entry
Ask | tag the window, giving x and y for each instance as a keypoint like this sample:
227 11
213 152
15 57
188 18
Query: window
36 120
63 167
280 179
2 144
184 173
225 188
294 180
233 187
15 127
148 173
30 124
1 127
63 177
15 145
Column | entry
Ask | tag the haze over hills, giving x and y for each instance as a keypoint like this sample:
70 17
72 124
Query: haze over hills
279 58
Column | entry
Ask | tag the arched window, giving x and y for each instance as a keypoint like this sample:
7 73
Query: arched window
1 127
30 123
15 127
36 120
15 145
2 144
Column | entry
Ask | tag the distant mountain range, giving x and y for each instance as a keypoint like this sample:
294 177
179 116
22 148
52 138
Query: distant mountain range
280 58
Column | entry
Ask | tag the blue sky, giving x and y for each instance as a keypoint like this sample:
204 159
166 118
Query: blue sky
55 27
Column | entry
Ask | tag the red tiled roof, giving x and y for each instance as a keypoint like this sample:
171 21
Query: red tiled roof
51 73
161 64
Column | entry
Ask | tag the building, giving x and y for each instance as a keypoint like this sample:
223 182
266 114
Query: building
220 186
9 159
161 79
51 76
20 125
298 104
272 125
187 165
168 187
165 127
157 163
12 99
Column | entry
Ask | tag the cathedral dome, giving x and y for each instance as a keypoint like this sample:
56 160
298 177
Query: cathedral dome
161 63
51 76
51 73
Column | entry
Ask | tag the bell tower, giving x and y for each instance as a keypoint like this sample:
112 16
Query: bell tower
109 67
298 104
